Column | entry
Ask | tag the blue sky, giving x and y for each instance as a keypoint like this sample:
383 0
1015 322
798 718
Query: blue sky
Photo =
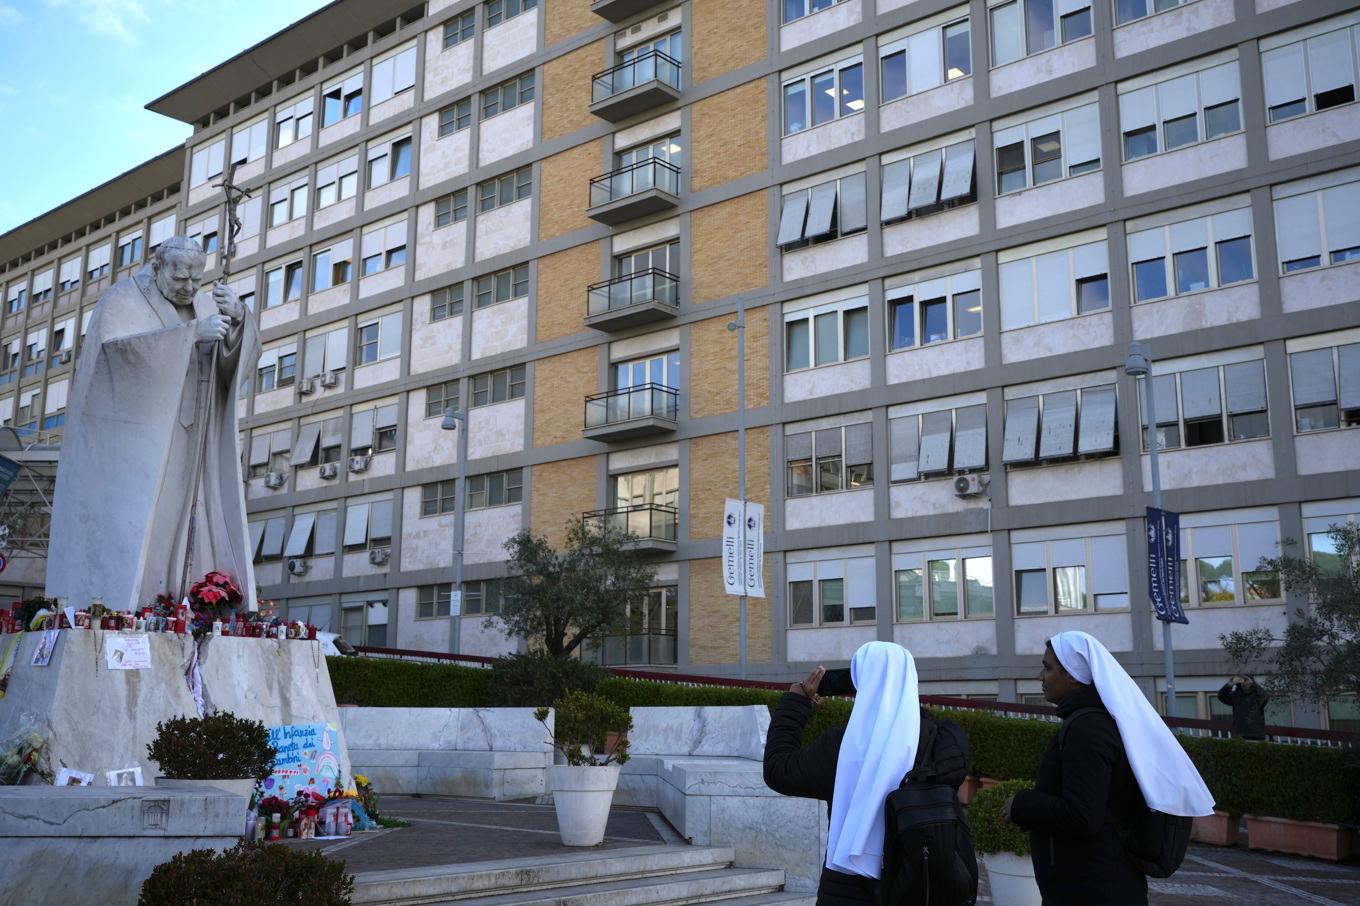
75 76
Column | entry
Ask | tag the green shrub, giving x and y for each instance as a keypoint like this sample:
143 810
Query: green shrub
1301 783
216 746
248 874
386 683
1003 748
582 723
984 820
538 679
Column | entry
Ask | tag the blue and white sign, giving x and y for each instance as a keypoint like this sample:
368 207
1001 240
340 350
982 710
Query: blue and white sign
1164 564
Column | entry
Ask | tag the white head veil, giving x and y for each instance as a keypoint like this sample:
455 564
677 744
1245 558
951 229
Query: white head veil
878 750
1165 774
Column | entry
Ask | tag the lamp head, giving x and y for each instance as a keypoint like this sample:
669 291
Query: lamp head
1136 365
451 417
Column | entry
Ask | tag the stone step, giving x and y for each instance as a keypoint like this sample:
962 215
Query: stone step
440 883
712 886
780 898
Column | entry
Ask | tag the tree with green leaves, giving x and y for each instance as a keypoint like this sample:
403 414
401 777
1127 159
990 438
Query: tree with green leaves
563 598
1319 656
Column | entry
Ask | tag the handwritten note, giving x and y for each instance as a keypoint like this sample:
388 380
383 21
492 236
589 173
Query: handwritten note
127 652
308 758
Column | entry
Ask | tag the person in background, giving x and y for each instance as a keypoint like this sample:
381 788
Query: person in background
1248 703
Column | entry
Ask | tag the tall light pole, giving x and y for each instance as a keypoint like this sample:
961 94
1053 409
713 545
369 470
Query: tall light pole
1139 365
739 326
452 416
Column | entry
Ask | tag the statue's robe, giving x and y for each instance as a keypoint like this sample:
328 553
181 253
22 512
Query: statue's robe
140 402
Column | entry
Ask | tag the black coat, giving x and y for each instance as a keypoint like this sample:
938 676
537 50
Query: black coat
1249 710
810 772
1085 795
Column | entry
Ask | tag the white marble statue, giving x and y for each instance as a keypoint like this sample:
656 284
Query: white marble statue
142 413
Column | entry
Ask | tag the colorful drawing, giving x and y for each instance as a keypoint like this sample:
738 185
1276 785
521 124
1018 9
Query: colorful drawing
308 757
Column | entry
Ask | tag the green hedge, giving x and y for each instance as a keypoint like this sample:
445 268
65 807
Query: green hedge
382 683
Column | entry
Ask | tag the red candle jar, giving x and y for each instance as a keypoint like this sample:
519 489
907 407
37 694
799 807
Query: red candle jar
311 633
179 625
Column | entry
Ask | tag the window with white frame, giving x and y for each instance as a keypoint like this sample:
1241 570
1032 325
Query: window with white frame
438 497
394 73
1053 285
161 229
276 367
205 162
1212 404
1021 28
283 284
129 249
320 440
1076 574
325 350
451 208
1178 112
383 248
342 99
293 123
1047 149
944 583
1326 387
1220 564
269 450
502 286
388 160
98 262
826 334
928 442
508 95
498 11
455 117
68 275
935 311
42 282
439 397
288 200
823 212
1317 227
1192 255
205 233
446 302
835 591
16 298
498 386
368 523
798 9
506 189
1311 75
926 182
250 213
818 461
333 265
35 352
377 338
1060 425
337 181
63 341
462 27
924 60
830 93
266 537
495 489
1129 10
249 142
373 428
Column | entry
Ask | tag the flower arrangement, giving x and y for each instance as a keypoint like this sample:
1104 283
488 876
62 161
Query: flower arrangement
24 755
368 796
215 593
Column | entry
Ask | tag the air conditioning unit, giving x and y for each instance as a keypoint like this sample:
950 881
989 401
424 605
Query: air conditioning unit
297 567
970 485
305 386
329 379
359 463
66 356
330 470
273 480
379 555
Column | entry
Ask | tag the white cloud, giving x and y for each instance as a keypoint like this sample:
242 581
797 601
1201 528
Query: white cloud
9 16
8 91
114 18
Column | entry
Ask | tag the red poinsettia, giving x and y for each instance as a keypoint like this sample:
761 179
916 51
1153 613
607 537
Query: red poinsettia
215 591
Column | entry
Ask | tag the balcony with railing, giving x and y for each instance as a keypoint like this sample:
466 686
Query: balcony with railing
618 10
630 650
635 86
634 191
637 298
632 412
651 527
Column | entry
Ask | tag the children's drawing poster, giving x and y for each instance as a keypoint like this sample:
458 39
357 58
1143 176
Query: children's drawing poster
308 758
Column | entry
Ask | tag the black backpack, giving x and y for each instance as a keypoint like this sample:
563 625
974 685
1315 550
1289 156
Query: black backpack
928 855
1154 841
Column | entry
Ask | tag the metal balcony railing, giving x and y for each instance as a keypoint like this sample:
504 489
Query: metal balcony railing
651 285
642 649
644 521
634 179
648 66
643 401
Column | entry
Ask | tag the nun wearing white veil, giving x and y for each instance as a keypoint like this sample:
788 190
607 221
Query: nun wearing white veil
1116 753
853 768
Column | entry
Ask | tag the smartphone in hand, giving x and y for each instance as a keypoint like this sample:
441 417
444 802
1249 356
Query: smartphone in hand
837 682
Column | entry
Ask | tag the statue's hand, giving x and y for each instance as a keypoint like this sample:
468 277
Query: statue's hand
211 329
228 305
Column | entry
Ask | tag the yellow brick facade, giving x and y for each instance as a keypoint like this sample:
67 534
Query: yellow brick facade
713 354
730 247
562 491
562 281
561 384
727 35
566 18
713 477
565 189
566 91
728 134
713 619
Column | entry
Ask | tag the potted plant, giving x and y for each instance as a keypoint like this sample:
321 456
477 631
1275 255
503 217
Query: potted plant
218 749
583 788
1004 848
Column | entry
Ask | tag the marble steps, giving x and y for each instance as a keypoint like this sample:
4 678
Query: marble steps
717 885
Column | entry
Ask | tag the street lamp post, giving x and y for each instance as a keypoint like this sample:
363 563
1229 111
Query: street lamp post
1137 365
452 416
739 326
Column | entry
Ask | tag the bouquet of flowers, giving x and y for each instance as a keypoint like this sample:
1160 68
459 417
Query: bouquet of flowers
215 593
368 797
22 755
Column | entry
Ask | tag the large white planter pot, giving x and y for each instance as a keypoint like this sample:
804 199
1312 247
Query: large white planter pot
582 796
1012 880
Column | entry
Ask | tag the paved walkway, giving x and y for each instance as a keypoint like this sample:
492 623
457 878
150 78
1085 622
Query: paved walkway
447 831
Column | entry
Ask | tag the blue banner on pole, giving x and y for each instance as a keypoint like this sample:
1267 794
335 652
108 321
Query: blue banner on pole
1164 564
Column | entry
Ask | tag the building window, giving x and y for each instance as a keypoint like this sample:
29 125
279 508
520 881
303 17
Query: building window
1310 75
797 9
823 212
820 97
394 74
1191 256
283 284
1213 405
454 117
373 429
1193 108
1070 575
269 451
831 592
924 60
460 28
1061 424
827 335
451 208
343 99
433 601
17 299
68 276
1129 10
337 181
446 302
383 248
495 489
277 367
946 587
364 622
1326 388
1047 149
938 443
1319 228
502 286
484 598
437 497
1055 285
389 161
1220 564
829 459
498 11
293 123
504 190
288 201
333 266
498 386
249 142
928 181
439 397
266 538
206 162
368 524
1024 27
935 311
378 339
508 95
